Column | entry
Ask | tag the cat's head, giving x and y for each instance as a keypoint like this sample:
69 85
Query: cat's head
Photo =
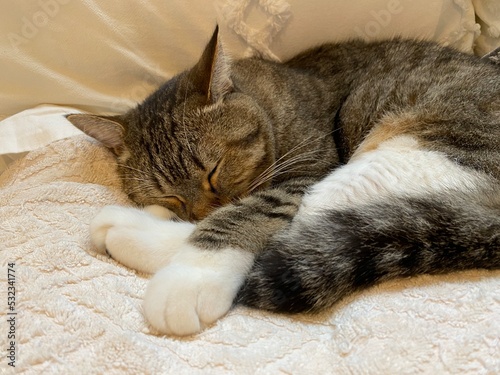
191 146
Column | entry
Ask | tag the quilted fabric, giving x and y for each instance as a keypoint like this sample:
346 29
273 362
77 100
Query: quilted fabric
80 313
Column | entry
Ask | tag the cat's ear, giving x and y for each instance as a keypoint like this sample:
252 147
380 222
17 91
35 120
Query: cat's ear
212 74
109 130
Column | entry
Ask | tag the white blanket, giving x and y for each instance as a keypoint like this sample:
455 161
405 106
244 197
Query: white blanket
80 313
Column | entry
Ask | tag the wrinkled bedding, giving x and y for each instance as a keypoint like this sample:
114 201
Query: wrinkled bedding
80 312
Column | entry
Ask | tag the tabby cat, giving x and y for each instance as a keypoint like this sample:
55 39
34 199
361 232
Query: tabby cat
287 186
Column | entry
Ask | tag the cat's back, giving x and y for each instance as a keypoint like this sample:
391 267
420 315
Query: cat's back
449 99
392 56
394 72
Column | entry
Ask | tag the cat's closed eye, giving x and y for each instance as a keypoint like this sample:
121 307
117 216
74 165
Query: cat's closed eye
174 202
211 181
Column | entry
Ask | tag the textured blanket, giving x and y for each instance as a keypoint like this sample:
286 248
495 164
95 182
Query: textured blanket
80 313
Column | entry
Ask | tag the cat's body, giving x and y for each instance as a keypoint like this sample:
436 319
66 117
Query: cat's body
396 146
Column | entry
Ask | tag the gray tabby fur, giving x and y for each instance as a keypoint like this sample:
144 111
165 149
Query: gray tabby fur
493 56
235 145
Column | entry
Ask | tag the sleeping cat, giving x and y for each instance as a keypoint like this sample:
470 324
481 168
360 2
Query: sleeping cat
287 186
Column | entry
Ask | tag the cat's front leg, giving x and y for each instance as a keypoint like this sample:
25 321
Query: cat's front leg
197 288
192 287
139 239
201 281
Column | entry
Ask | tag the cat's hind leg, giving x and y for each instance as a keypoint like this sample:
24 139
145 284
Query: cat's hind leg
398 167
316 262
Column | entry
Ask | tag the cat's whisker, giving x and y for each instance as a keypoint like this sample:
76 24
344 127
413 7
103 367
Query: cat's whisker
282 168
271 171
184 119
113 178
293 149
293 159
272 168
269 177
141 188
135 179
132 169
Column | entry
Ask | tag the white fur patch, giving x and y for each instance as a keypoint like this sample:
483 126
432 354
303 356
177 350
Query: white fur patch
160 212
397 167
195 289
139 239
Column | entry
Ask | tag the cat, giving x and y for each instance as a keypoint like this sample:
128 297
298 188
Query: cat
287 186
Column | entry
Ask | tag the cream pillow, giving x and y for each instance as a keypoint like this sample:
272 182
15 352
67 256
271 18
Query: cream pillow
104 56
288 27
488 15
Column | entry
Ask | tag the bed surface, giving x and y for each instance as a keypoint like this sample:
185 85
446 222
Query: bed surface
80 312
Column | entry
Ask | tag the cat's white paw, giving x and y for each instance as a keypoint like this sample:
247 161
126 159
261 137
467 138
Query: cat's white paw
160 212
138 239
195 289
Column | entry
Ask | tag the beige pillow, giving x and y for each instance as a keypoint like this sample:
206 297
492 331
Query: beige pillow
488 16
104 56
